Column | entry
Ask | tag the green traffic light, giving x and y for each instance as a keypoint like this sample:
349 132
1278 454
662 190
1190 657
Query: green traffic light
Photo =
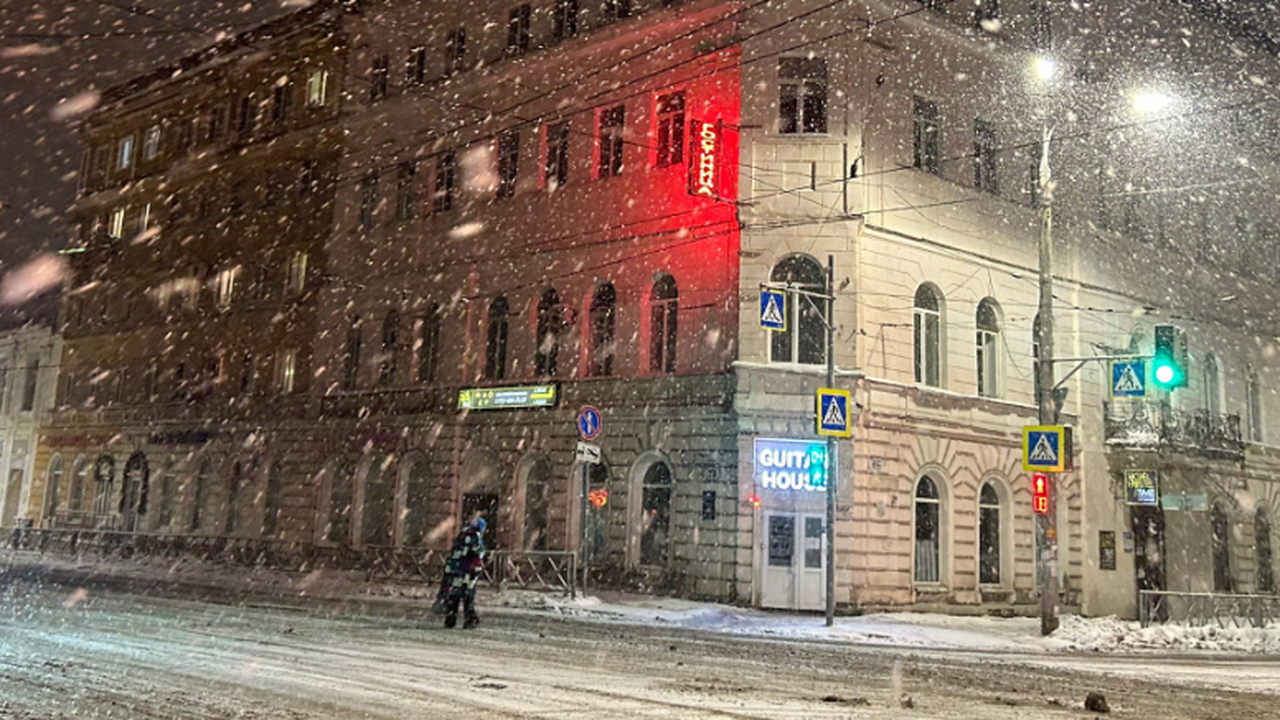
1164 374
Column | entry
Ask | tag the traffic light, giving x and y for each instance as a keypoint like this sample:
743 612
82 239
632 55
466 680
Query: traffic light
1040 493
1170 366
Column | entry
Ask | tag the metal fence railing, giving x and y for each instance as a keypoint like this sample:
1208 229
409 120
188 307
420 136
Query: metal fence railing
553 571
1199 609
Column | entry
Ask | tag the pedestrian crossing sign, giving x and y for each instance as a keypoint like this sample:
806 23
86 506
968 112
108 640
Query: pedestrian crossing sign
773 310
1128 378
833 413
1044 448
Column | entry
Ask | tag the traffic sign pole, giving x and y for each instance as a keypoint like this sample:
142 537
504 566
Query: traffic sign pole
832 473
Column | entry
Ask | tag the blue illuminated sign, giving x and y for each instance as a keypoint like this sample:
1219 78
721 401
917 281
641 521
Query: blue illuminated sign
790 464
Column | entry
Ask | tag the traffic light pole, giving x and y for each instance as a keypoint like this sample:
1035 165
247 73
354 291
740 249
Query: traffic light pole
833 473
1046 523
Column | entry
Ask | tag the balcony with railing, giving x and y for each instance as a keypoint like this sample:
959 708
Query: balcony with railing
1161 428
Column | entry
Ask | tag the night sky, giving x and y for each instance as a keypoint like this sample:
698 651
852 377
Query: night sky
51 50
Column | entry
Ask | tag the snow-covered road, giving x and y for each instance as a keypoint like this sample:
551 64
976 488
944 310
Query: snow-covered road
99 652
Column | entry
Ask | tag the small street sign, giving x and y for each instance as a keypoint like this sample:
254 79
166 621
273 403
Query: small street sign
1185 503
833 413
1043 448
773 310
589 423
1128 378
1141 488
587 453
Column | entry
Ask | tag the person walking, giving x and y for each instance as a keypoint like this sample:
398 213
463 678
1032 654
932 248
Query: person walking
462 572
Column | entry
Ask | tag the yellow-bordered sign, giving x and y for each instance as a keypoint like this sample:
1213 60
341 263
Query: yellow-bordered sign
833 413
1044 448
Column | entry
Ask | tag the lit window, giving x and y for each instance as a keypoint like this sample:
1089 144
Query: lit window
286 367
124 154
670 124
802 95
317 88
296 277
610 124
226 288
151 143
115 227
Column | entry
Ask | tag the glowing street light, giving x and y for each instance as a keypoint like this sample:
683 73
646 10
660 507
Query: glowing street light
1046 68
1151 102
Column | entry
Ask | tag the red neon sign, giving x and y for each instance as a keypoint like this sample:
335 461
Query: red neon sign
704 158
1040 493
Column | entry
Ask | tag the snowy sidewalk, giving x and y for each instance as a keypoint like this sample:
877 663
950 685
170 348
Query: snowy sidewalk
904 630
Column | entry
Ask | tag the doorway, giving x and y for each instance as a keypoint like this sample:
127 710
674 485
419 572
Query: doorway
795 562
1148 547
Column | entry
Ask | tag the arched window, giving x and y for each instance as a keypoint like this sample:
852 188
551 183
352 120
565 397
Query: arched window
79 481
54 484
417 497
664 305
1212 385
379 501
495 354
804 339
337 528
989 535
169 496
1253 389
133 494
351 356
390 348
928 532
550 322
271 500
928 336
655 515
104 476
1220 527
200 495
604 309
987 348
1262 552
537 504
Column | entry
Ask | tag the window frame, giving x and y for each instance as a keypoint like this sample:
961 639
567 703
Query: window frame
928 345
986 162
317 88
987 356
519 33
497 338
802 96
936 502
446 182
602 319
926 136
610 140
988 510
668 123
664 314
555 165
805 336
508 151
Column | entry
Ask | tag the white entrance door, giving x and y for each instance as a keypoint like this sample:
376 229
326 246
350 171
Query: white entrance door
794 574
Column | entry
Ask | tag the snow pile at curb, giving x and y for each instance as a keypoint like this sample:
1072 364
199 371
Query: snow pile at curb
1110 634
550 602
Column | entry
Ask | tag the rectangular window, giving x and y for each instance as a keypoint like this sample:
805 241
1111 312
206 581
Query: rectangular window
802 95
281 101
406 195
186 135
670 124
446 182
144 218
986 13
566 20
351 357
924 141
317 88
124 154
217 126
248 115
389 359
556 165
379 78
415 72
985 177
427 346
151 143
368 199
29 384
614 10
518 31
286 368
508 163
115 227
609 132
307 177
226 287
296 275
455 52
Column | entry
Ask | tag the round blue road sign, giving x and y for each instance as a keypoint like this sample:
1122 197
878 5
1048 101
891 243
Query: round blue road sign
589 423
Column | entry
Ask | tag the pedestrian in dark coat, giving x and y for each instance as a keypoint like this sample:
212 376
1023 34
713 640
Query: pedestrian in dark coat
462 572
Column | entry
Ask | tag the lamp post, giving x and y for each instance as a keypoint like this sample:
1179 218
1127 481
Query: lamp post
1046 523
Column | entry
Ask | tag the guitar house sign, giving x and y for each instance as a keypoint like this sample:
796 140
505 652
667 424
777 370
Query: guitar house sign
704 158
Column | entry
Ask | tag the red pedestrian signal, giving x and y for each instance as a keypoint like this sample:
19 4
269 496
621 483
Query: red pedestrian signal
1040 493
